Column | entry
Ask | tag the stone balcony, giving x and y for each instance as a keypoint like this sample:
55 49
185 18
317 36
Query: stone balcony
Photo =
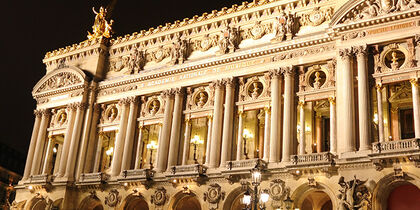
93 178
396 147
140 175
41 179
314 159
243 166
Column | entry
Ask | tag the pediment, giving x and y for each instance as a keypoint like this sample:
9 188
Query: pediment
60 79
358 10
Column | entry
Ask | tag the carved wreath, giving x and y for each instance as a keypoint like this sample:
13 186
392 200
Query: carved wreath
113 198
277 189
159 197
214 194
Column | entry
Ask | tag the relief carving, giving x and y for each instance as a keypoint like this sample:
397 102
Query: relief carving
179 51
152 106
59 80
285 27
253 88
353 195
257 31
136 61
199 98
113 198
316 17
229 40
205 43
59 118
159 197
214 195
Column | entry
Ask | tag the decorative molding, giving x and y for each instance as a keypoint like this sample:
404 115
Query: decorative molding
159 197
113 198
214 195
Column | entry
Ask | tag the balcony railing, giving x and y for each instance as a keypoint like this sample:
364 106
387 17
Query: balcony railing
188 170
396 146
245 165
137 175
93 178
40 179
313 159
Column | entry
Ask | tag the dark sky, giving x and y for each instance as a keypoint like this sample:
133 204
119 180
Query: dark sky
32 28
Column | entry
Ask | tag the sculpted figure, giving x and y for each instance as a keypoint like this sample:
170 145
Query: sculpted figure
228 41
101 27
136 61
280 26
371 10
179 51
255 90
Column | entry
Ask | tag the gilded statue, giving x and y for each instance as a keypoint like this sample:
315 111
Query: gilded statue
101 27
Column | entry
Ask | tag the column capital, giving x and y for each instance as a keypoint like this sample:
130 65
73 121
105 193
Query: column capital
124 101
301 103
229 82
287 71
38 112
167 94
267 109
218 84
80 105
274 73
345 53
210 117
178 91
97 108
240 113
360 50
414 81
187 121
378 86
331 99
71 107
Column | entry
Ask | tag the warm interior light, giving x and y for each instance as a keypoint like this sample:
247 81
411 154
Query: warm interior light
298 128
308 129
55 150
264 197
375 118
246 199
297 172
125 184
109 151
256 176
197 140
247 134
152 145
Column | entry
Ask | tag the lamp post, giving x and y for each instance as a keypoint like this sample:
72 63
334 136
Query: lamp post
246 135
288 203
195 141
151 146
254 198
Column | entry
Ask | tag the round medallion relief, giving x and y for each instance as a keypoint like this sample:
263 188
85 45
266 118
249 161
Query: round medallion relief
154 106
394 59
317 79
255 89
201 98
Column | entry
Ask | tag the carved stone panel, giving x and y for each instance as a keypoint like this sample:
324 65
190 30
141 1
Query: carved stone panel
317 77
159 197
254 88
200 98
354 194
214 195
110 113
59 80
113 198
393 57
152 106
59 118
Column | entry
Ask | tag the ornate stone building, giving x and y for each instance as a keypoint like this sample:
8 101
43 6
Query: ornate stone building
320 96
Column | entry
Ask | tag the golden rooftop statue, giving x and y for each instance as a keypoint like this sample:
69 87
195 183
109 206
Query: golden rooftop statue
101 27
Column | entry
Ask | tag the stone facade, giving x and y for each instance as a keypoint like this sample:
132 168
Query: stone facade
321 95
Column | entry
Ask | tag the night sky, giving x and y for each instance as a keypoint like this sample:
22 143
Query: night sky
32 28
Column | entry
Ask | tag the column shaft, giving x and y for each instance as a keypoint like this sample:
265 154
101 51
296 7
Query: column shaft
163 147
275 116
363 93
129 137
217 126
416 107
187 138
266 134
120 139
227 123
92 136
67 139
175 130
98 153
288 114
239 144
32 145
209 131
345 102
75 139
48 156
302 141
333 129
139 150
380 113
36 164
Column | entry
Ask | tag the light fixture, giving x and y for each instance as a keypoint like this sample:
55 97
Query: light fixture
195 141
264 197
246 200
375 118
307 129
151 146
254 198
256 177
109 151
54 150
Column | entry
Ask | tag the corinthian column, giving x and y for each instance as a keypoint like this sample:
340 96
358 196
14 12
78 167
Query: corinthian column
71 109
163 147
175 131
302 143
288 113
48 155
187 138
129 137
208 144
32 145
36 164
416 106
275 116
266 154
227 122
216 136
139 149
120 138
363 93
240 135
333 123
380 112
345 102
75 139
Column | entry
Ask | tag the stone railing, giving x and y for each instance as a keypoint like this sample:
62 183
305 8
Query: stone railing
188 170
396 146
239 165
93 178
137 174
40 179
311 159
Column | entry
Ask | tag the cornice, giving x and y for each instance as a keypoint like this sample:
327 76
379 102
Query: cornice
284 48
